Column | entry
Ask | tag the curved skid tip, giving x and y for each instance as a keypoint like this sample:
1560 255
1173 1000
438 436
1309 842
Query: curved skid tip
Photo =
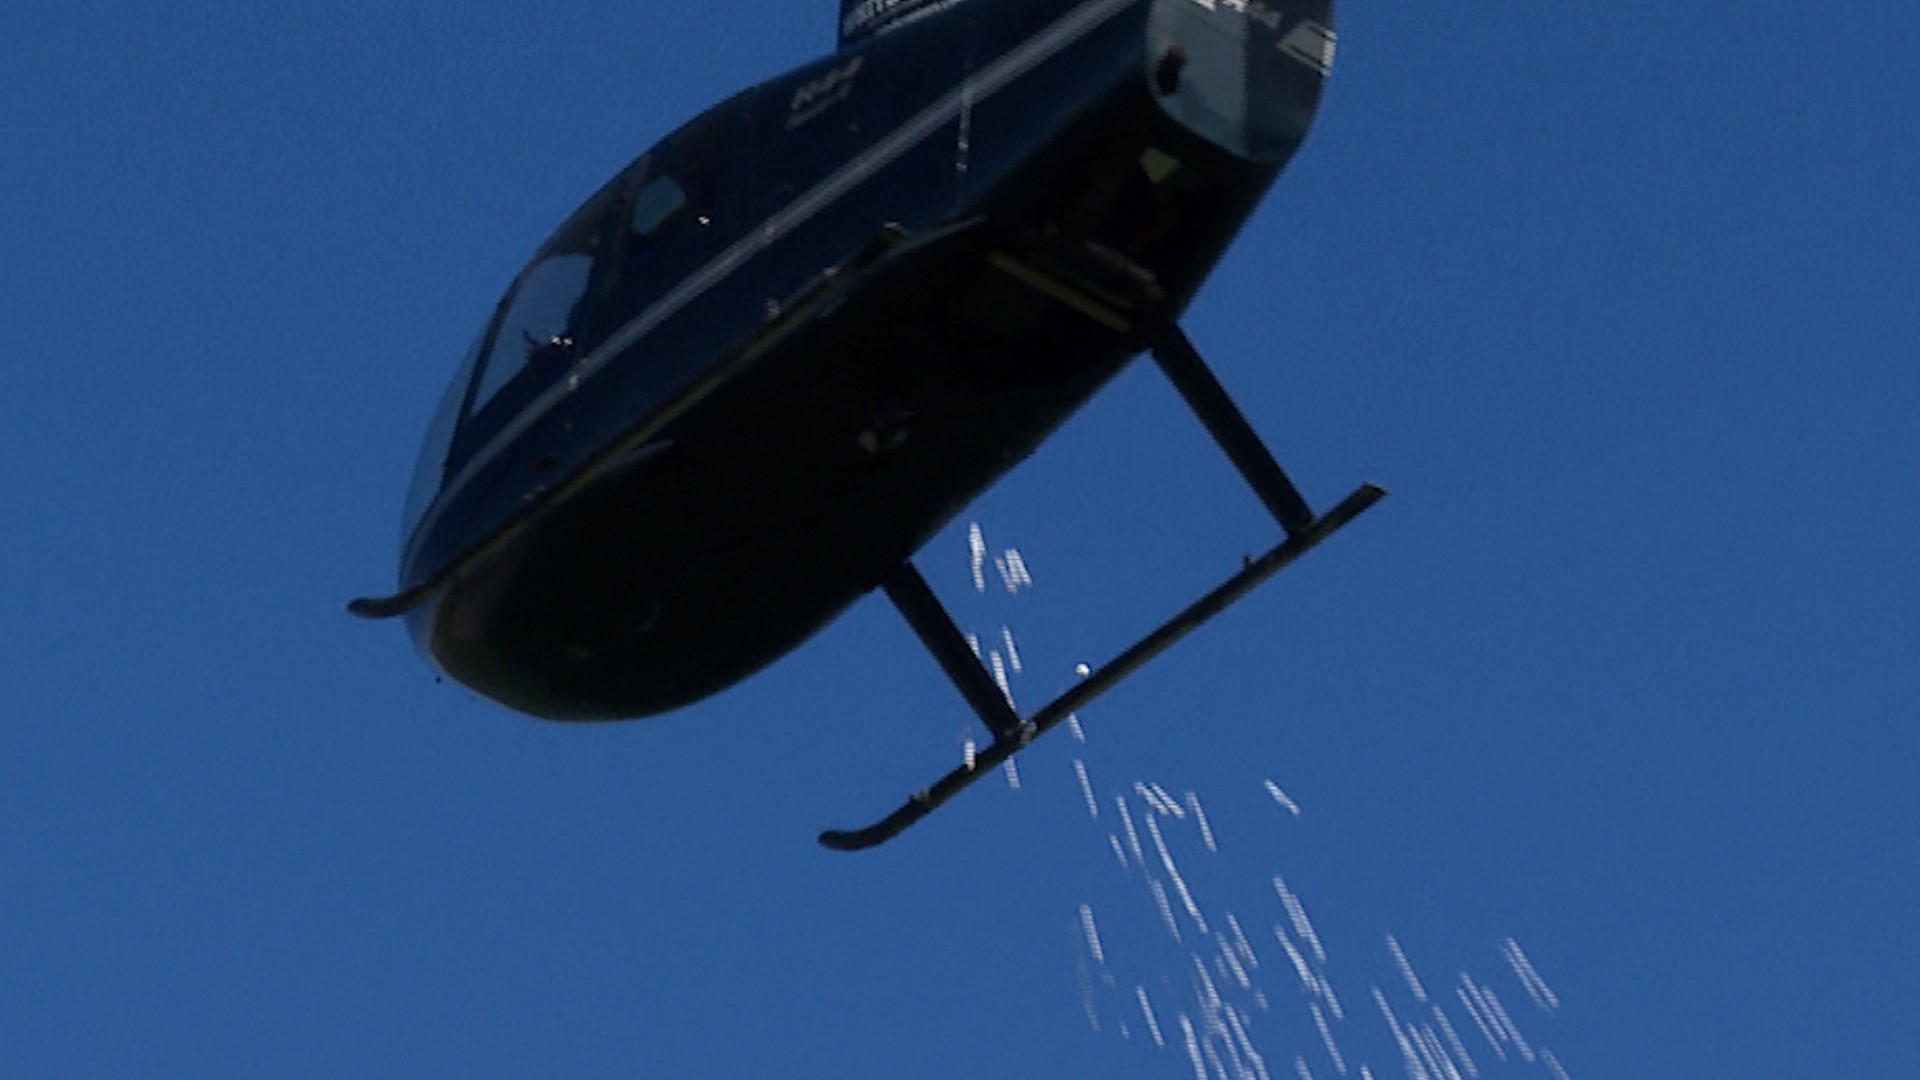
841 840
381 607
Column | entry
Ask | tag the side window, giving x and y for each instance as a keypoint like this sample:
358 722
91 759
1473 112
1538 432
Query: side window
668 228
537 329
655 202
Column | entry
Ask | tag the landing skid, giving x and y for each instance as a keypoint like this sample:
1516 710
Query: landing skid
930 622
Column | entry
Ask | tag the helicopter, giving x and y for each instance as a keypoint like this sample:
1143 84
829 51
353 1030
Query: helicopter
759 368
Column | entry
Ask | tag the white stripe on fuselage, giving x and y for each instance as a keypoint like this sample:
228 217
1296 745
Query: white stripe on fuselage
1011 65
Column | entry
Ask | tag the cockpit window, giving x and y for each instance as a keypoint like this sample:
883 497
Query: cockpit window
537 329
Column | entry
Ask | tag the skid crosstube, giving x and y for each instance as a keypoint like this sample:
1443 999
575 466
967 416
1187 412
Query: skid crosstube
936 630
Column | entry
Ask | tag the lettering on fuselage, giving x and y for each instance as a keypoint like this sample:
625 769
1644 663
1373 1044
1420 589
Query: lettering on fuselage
873 16
817 96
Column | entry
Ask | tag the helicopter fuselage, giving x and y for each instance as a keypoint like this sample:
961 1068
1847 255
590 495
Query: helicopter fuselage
773 356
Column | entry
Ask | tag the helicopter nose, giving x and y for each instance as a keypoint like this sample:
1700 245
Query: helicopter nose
1245 74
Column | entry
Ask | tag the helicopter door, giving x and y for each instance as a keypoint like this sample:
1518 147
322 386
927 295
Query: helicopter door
644 231
671 221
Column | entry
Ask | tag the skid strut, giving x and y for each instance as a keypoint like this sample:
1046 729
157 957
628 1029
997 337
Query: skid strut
909 592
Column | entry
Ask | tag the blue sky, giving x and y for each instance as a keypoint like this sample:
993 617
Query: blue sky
1619 301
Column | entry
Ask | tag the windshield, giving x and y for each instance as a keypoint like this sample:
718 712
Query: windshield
430 470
